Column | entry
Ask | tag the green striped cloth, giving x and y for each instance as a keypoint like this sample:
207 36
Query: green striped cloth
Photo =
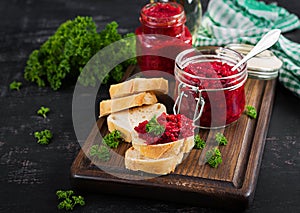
245 21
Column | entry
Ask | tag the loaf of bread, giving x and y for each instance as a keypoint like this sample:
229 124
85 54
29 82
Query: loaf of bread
138 85
119 104
126 120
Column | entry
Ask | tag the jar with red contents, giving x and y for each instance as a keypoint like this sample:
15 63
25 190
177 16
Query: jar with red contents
208 91
161 36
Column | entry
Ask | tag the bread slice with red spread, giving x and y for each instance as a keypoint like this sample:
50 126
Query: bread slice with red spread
126 120
119 104
138 85
160 143
177 136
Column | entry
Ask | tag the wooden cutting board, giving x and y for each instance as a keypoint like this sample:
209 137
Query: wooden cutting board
231 185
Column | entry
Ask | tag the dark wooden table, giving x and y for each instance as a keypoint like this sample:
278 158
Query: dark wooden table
30 173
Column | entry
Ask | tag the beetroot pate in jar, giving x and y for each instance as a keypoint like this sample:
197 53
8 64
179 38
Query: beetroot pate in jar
161 36
208 91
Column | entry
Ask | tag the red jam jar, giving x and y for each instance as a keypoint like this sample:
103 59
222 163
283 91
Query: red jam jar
207 90
161 36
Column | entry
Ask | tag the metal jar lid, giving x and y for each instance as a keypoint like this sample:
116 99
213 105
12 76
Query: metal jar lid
263 66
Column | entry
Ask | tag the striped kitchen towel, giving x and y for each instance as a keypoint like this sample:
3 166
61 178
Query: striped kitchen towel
245 21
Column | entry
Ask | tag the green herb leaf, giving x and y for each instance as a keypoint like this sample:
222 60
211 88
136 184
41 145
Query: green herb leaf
199 143
43 111
64 194
251 111
214 157
15 85
221 139
153 127
112 139
68 50
43 137
101 152
78 200
69 201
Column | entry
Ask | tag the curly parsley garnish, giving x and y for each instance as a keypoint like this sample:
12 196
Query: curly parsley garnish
251 111
112 139
43 137
199 142
43 111
153 127
68 50
69 200
221 139
214 157
15 85
100 151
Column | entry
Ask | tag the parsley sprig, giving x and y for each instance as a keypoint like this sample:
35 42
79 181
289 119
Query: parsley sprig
251 111
43 136
221 139
15 85
43 111
69 200
100 151
153 127
199 142
65 53
112 139
214 157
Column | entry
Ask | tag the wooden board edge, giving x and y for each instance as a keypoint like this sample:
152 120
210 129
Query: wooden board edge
203 198
248 189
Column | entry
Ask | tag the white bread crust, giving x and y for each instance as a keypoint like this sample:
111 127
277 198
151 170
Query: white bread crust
115 105
138 85
162 166
167 162
126 120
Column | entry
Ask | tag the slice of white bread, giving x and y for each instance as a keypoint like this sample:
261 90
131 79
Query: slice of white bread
166 164
119 104
166 149
138 85
162 166
126 120
189 144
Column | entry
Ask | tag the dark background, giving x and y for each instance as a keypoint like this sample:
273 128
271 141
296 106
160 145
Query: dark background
30 173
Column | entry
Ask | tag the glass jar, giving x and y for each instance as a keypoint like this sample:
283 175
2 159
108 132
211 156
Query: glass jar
207 90
161 36
193 12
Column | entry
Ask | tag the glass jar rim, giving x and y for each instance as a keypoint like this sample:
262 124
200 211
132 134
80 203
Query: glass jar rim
241 70
174 20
